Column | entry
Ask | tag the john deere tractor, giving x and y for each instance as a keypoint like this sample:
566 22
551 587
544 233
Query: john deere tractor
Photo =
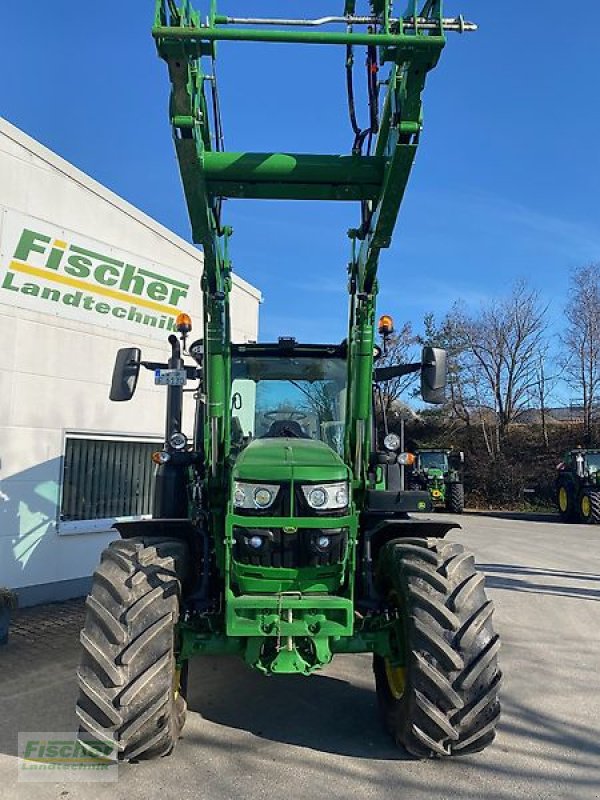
440 472
578 486
277 534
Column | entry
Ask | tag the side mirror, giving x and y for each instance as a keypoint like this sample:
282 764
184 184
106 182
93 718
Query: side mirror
456 460
433 375
125 373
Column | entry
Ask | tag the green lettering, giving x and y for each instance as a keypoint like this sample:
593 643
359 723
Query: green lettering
102 308
7 283
157 291
72 299
131 281
149 319
101 271
119 312
30 288
177 295
88 302
31 747
134 315
53 261
28 243
79 266
50 294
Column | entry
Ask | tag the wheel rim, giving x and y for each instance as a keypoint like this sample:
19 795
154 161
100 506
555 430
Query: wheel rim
586 506
396 678
563 499
176 683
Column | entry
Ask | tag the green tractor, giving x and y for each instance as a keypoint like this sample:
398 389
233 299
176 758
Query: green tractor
279 534
440 472
578 486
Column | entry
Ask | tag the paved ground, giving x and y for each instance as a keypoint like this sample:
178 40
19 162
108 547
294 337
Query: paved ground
250 737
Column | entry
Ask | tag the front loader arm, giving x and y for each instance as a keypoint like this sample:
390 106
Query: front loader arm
402 50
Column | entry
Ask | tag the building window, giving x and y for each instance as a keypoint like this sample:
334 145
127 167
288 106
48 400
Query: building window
104 478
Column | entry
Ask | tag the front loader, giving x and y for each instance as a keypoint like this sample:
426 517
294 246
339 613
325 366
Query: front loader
280 533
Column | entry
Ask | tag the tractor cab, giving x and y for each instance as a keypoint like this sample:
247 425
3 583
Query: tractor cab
432 463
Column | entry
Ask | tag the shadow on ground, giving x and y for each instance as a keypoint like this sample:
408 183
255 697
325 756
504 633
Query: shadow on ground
321 712
531 579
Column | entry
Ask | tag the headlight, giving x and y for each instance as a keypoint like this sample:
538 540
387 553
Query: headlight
407 460
257 496
392 441
178 441
327 497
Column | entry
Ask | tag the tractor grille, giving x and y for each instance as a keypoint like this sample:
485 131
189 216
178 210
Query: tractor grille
300 548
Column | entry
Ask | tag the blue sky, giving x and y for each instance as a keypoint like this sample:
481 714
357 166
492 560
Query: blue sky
505 183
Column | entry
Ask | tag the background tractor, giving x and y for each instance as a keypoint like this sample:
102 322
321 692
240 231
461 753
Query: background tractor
440 472
279 534
578 486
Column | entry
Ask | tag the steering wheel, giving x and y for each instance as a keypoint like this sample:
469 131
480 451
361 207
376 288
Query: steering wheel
296 416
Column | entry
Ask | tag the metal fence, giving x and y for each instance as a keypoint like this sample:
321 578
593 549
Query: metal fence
106 478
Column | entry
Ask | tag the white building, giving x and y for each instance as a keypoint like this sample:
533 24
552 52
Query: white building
82 273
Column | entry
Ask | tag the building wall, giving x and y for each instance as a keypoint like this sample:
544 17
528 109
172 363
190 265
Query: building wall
56 356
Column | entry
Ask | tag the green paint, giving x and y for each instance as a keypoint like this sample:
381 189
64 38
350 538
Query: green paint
310 608
30 243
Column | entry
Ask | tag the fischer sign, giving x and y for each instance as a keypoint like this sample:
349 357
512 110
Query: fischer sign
65 274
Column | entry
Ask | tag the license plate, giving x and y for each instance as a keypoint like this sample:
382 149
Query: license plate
170 377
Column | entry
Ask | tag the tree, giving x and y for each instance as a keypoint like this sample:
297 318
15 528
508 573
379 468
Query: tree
504 341
581 340
546 378
400 350
493 359
449 334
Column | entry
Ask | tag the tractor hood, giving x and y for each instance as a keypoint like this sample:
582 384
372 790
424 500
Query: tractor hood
289 458
434 473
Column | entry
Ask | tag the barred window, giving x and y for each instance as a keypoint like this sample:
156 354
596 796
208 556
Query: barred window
104 478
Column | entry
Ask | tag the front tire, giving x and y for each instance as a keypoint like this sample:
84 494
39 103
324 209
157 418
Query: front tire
443 701
590 507
455 498
567 505
128 683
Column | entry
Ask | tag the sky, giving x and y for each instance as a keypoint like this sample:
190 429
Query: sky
504 186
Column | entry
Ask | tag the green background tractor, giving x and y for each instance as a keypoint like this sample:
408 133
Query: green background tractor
578 486
440 472
279 534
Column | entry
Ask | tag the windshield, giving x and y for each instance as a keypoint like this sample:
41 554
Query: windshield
299 397
433 461
592 462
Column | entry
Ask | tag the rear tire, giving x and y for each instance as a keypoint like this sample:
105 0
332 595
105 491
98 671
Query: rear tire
444 701
128 689
589 507
455 498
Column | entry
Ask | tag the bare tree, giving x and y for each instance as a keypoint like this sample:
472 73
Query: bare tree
449 335
504 341
581 340
400 350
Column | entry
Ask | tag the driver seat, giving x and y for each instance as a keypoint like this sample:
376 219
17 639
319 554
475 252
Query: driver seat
285 427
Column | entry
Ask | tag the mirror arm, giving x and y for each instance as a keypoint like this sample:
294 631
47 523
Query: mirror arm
193 373
396 371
